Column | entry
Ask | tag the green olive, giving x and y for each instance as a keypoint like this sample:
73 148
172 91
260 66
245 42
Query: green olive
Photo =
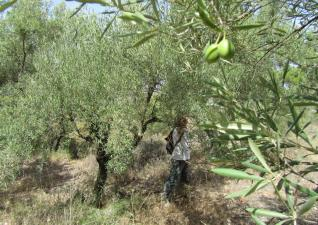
211 53
226 49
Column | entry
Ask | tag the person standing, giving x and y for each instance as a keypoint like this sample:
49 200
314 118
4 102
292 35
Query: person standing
180 155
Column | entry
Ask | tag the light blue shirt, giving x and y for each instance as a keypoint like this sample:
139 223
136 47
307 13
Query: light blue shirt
182 150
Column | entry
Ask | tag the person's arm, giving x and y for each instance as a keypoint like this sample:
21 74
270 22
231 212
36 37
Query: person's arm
175 136
186 142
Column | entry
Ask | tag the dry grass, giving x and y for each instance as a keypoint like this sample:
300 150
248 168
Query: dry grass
59 192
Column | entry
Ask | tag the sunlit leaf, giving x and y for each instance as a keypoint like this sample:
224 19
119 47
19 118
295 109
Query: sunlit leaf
260 184
239 193
283 222
237 174
266 212
254 167
249 190
258 154
257 220
136 16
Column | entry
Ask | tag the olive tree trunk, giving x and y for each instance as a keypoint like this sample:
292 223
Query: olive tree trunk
102 159
73 149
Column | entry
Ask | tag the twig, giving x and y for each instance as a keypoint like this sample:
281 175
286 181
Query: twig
217 13
78 9
298 174
144 201
279 44
108 25
309 221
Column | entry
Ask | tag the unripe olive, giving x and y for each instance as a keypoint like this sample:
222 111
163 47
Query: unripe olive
211 53
226 49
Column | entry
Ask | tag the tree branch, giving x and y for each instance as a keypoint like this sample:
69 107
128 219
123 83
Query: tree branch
78 9
86 138
279 44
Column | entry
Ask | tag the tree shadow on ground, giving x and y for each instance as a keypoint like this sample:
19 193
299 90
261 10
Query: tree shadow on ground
150 178
148 151
203 201
206 208
40 175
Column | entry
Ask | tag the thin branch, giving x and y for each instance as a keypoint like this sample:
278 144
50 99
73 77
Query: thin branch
300 175
309 221
279 44
217 13
24 55
150 121
108 25
78 9
86 138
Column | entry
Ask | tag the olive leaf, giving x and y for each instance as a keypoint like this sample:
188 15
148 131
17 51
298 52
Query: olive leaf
143 40
249 190
307 206
108 25
260 184
289 195
205 16
295 123
248 26
101 2
286 66
254 167
136 16
266 212
257 220
258 154
301 188
306 103
7 5
283 221
238 174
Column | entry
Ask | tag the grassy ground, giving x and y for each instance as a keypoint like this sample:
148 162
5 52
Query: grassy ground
59 192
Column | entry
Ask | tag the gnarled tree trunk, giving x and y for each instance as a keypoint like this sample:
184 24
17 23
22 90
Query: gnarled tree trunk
102 159
73 149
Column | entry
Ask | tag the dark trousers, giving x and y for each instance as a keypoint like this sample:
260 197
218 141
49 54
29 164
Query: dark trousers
179 172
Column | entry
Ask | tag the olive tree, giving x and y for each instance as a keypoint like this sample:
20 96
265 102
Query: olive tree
79 80
269 38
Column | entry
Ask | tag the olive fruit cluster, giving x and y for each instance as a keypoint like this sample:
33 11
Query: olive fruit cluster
225 49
